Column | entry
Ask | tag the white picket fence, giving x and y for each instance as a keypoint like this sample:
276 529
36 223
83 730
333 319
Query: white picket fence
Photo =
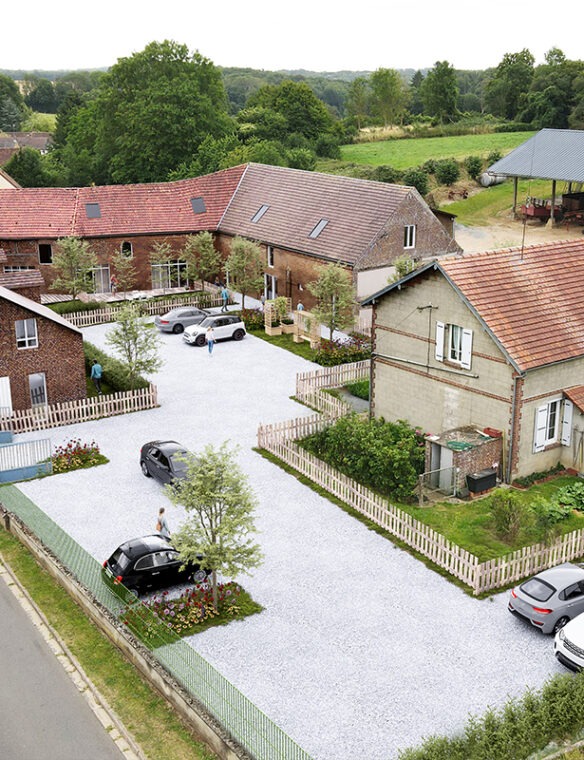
14 456
82 410
110 311
310 387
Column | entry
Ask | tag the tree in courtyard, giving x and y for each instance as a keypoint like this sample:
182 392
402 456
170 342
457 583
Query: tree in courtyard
135 343
439 92
203 259
161 256
245 267
334 293
219 504
125 271
389 95
73 261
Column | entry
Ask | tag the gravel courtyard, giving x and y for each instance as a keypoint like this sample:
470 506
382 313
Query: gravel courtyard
361 650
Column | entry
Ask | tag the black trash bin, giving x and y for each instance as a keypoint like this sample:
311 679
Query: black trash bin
482 480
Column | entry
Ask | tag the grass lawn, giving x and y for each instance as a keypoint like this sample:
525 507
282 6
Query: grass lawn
408 153
470 525
145 714
287 342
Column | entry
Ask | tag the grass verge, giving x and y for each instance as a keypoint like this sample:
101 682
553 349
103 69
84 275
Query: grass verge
146 715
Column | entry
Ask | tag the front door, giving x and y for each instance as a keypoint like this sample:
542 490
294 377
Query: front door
101 280
270 286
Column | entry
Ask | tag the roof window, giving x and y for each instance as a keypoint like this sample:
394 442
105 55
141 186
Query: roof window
93 211
198 205
319 228
259 213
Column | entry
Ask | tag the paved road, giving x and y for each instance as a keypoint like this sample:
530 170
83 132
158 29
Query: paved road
43 716
361 650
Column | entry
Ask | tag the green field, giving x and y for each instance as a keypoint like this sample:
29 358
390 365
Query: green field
407 153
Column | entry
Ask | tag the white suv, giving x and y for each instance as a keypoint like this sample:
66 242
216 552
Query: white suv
224 326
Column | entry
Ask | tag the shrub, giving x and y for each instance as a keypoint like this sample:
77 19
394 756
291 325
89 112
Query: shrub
418 178
114 372
384 456
572 496
473 165
509 513
68 307
534 477
493 157
430 166
252 318
548 513
359 389
333 352
385 173
447 171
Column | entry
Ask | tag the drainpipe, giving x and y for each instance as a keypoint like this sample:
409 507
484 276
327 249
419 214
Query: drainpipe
516 380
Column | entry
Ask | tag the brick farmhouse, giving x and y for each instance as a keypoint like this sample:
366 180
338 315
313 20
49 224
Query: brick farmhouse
490 341
300 219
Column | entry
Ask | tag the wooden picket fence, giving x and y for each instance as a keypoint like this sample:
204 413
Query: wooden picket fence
310 387
109 312
82 410
279 439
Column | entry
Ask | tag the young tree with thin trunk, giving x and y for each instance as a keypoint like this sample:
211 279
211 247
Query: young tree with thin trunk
125 271
203 259
73 261
335 297
245 267
135 342
219 504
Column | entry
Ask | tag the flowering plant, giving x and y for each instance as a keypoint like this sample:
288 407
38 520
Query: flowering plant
75 455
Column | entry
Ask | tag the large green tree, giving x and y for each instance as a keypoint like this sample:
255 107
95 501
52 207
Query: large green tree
335 297
220 505
551 95
245 267
12 107
511 79
358 100
150 113
389 95
73 261
439 92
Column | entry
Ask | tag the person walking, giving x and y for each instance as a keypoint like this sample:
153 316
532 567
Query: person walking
96 373
225 297
210 337
113 284
162 524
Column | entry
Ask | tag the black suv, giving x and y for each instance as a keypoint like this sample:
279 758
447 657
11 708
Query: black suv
164 460
151 562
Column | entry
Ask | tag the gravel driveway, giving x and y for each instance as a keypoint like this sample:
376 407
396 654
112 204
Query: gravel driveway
361 650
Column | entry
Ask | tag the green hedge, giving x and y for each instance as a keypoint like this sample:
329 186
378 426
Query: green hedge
113 369
517 730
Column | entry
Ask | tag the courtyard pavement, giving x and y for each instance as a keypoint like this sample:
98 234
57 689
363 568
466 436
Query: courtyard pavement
361 650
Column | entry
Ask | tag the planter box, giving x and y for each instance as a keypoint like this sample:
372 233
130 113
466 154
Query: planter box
288 329
273 330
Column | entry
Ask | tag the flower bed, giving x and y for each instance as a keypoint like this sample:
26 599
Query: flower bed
76 455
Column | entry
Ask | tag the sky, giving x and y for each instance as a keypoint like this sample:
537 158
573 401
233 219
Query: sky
304 34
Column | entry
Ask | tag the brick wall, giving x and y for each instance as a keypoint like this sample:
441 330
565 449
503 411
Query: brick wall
59 356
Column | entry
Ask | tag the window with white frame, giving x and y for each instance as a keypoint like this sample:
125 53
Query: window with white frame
553 424
410 236
454 344
172 274
270 256
26 333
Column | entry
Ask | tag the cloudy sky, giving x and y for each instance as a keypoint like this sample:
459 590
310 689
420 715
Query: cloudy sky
303 34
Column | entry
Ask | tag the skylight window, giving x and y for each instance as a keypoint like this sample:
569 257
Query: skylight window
259 213
319 228
93 211
198 205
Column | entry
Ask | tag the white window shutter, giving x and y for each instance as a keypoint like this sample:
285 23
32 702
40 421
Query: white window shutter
567 422
466 348
541 416
440 330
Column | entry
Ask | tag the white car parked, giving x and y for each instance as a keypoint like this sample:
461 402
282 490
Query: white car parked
224 326
569 644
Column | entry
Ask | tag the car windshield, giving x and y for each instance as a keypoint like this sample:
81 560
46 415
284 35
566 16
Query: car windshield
208 322
538 589
179 462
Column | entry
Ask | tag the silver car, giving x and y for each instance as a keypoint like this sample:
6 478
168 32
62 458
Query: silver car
177 319
224 326
551 598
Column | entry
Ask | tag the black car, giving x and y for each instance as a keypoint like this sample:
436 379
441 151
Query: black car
150 562
164 460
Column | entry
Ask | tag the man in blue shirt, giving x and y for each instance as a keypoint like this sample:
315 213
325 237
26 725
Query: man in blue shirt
96 373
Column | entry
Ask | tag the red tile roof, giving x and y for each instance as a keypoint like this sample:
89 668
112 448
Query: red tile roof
124 210
576 396
531 300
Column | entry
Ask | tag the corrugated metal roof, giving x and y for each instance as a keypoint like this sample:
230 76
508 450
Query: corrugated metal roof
550 154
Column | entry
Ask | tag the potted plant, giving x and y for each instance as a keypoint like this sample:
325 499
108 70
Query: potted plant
287 325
